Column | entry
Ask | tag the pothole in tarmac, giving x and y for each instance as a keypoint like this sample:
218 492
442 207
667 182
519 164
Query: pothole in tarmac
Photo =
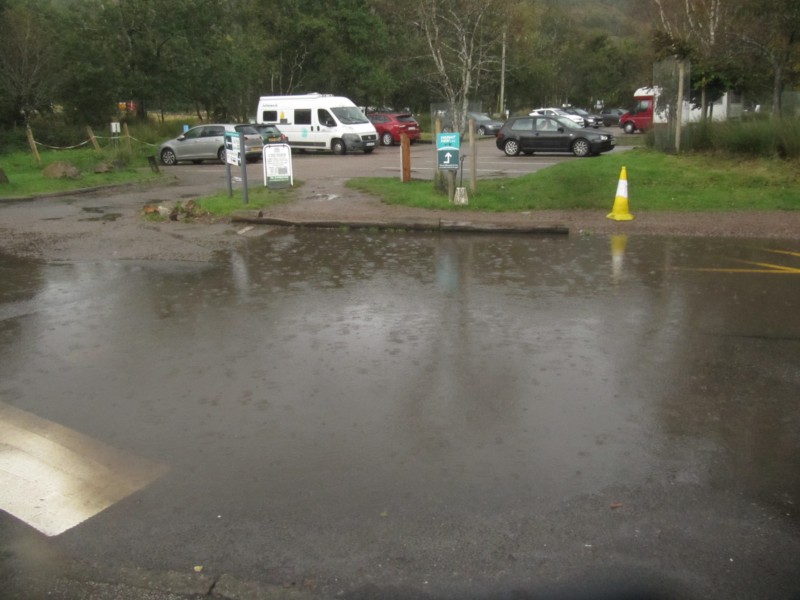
102 215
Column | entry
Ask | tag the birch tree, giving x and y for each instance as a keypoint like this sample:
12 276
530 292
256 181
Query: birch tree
698 30
463 39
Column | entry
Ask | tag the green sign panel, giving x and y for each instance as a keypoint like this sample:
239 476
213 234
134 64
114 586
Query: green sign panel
449 159
448 150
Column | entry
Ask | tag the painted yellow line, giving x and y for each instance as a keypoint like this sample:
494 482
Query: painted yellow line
767 271
767 267
787 252
771 267
54 478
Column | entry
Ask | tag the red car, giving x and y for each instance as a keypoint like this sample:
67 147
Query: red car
391 126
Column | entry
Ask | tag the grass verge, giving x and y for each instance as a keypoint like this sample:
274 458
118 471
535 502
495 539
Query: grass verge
25 175
656 181
257 196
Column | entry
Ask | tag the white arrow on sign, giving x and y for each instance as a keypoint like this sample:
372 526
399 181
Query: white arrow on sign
447 156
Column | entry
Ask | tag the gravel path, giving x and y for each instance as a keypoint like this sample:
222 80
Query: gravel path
108 224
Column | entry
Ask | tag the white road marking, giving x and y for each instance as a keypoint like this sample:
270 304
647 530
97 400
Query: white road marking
54 478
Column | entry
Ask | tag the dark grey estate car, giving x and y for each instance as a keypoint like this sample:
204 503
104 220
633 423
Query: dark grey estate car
531 134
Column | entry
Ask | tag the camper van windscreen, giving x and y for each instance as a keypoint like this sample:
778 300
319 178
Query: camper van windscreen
349 115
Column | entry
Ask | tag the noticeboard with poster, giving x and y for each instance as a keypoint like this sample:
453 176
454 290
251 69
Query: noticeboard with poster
277 166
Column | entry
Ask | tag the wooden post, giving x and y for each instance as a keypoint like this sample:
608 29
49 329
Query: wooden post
92 138
438 177
405 158
473 158
127 136
679 106
451 184
32 144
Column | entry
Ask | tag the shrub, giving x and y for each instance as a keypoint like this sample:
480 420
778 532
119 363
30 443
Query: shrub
747 138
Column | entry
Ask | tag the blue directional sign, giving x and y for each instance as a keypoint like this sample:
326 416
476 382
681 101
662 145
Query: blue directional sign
448 150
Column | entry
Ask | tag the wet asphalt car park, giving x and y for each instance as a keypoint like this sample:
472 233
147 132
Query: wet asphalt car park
365 414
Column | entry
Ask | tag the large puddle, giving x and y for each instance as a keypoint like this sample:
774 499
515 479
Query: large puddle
338 377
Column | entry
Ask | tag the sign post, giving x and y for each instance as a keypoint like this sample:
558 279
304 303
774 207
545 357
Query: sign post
448 152
233 156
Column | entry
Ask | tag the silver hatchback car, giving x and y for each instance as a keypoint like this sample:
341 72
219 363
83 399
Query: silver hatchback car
207 142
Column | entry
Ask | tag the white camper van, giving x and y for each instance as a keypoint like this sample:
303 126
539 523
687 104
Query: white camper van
319 122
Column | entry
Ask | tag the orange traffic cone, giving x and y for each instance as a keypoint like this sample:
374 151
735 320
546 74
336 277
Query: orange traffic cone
620 212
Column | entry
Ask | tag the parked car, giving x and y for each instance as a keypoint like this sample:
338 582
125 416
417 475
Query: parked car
558 112
484 124
207 142
391 125
589 119
271 134
539 133
611 116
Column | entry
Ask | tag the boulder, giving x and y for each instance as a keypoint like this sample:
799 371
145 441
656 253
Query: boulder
61 169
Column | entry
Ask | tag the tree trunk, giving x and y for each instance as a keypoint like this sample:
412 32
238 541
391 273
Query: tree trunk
777 85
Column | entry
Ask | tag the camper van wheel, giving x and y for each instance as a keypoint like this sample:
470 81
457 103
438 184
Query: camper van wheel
338 147
629 127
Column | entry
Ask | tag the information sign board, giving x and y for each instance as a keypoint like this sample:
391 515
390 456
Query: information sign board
448 150
277 166
233 154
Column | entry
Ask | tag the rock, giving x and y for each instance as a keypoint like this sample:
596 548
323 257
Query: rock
103 167
61 169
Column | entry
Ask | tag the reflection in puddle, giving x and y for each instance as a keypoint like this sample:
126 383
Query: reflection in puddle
326 378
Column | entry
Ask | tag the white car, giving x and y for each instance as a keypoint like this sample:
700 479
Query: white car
207 142
557 112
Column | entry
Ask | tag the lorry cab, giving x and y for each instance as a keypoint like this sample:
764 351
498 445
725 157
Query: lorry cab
640 117
319 122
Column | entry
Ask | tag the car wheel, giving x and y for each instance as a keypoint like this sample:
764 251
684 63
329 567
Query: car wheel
511 147
581 147
386 139
481 130
168 157
221 155
338 147
629 127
